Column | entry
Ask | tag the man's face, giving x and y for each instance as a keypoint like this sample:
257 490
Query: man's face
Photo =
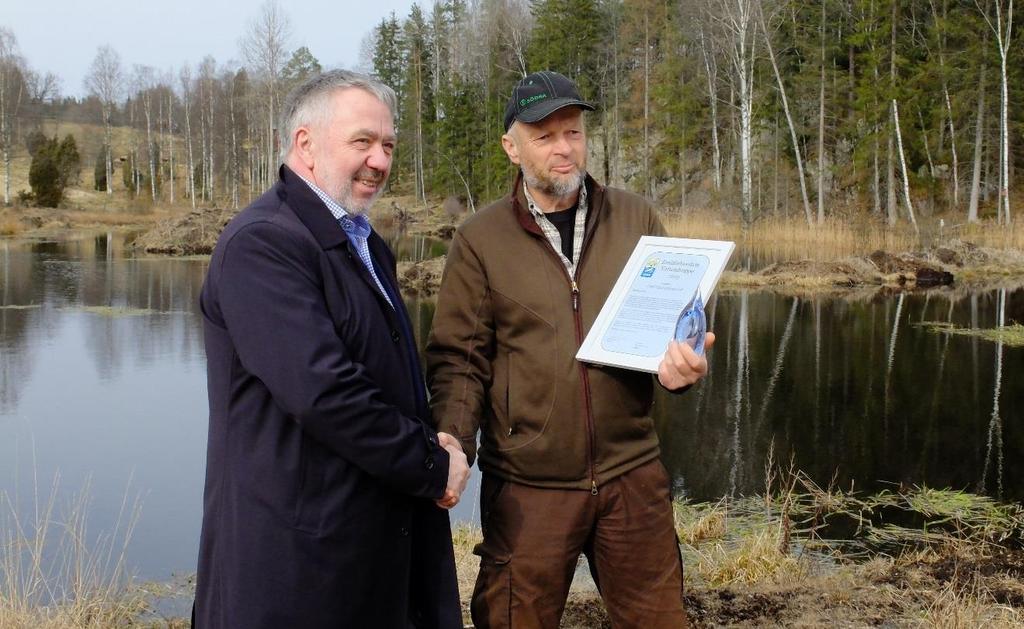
552 152
352 149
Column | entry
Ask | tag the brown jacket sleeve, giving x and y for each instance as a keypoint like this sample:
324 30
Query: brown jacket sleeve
460 349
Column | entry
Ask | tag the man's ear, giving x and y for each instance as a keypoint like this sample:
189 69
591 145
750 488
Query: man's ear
509 144
302 145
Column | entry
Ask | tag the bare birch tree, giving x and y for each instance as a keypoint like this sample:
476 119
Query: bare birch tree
105 81
265 48
169 82
1003 29
738 39
145 81
207 97
12 87
979 140
711 70
517 22
234 172
903 163
186 99
789 118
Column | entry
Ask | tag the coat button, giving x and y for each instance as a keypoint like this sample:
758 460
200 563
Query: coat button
394 335
429 463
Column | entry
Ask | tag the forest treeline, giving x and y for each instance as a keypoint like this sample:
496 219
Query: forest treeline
809 108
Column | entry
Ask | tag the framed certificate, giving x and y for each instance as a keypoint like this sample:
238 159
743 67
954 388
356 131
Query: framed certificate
661 278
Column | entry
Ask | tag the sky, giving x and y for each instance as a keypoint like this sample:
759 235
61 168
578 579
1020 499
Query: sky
61 36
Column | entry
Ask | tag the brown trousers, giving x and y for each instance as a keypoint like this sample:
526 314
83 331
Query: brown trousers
533 538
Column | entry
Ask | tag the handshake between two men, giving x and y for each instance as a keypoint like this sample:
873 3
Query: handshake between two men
458 471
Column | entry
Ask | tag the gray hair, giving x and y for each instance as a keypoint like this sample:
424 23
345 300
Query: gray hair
309 104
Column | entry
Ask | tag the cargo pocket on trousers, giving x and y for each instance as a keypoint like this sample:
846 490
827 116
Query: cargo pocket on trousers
491 606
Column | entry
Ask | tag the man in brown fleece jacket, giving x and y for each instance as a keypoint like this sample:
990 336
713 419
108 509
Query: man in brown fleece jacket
568 450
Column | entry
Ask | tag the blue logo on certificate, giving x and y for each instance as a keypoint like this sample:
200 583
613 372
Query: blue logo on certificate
649 267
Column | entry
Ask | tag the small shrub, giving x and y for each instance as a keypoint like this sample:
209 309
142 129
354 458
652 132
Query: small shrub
55 165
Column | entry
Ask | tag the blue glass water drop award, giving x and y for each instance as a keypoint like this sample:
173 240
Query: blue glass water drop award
692 325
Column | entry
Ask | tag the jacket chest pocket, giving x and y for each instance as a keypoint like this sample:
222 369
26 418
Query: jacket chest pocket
522 399
525 374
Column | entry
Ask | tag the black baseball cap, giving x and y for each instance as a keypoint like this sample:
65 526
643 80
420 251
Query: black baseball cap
541 94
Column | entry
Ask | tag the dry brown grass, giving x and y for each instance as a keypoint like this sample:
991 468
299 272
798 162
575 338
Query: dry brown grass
10 226
696 524
782 238
838 238
120 218
990 234
943 587
53 575
756 558
464 538
958 607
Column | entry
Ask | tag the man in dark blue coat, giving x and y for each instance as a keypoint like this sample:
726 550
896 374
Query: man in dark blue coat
326 486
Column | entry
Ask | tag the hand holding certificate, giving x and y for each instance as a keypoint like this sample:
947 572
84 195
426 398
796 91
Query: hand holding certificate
659 296
692 325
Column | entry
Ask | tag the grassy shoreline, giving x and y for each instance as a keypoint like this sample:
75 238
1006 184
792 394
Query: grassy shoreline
768 559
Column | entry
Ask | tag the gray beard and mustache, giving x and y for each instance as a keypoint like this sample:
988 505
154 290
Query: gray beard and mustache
347 200
560 187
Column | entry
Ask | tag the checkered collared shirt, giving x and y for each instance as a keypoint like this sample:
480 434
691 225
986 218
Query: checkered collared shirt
358 230
551 232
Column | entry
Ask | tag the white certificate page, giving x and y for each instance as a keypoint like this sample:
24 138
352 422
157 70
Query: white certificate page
639 317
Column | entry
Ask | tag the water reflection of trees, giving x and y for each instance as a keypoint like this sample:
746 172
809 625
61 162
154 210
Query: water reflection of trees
16 317
411 247
421 314
995 427
845 385
852 388
59 277
165 293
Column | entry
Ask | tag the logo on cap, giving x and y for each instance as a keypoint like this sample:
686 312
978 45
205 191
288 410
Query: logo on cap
526 101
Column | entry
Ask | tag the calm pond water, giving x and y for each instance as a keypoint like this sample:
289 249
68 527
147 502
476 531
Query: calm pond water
102 381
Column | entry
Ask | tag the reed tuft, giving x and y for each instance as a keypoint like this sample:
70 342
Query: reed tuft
53 575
